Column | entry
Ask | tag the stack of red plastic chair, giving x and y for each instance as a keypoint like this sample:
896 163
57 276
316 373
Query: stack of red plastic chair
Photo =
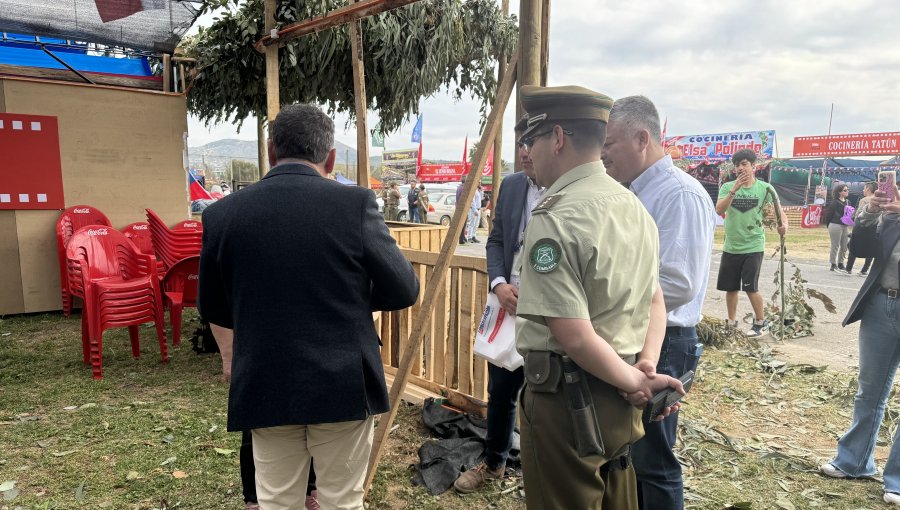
180 290
119 286
68 222
173 245
139 234
194 225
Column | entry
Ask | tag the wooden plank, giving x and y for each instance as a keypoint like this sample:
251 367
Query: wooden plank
404 239
415 240
504 91
455 398
420 359
452 367
359 94
441 324
273 86
461 261
466 326
341 16
262 160
66 75
479 369
414 392
428 341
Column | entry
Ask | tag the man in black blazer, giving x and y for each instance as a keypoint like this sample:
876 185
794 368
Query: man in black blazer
294 266
517 197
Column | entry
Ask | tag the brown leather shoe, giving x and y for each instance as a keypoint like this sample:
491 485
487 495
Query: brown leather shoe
473 479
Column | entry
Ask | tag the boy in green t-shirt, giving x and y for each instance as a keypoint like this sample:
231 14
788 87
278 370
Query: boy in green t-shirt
744 201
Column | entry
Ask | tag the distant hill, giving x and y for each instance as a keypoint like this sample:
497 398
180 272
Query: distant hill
217 155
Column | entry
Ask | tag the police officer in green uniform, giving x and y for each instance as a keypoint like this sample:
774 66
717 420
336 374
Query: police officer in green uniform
589 298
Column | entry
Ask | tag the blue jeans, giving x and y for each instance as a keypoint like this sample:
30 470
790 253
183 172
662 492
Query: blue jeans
503 394
414 214
660 486
879 356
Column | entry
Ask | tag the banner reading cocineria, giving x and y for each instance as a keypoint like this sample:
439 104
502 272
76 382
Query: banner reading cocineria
721 146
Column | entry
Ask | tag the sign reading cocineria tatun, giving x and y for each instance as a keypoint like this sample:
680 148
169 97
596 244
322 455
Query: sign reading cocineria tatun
862 144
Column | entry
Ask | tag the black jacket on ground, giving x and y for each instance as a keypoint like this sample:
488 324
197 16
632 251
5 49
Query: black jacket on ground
295 264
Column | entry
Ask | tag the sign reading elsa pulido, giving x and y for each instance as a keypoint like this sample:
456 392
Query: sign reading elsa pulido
721 146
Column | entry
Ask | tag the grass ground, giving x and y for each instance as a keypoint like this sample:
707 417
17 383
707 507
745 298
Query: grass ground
153 436
801 243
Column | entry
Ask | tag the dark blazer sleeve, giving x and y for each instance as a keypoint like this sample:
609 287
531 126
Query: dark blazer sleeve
494 246
394 284
212 299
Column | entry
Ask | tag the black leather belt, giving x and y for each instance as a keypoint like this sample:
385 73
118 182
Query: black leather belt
891 293
681 330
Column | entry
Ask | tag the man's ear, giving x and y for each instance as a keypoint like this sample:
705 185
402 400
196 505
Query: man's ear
270 149
643 139
328 165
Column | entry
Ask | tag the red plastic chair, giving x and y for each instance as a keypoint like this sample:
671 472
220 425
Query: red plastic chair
139 234
180 290
173 245
69 221
193 225
119 286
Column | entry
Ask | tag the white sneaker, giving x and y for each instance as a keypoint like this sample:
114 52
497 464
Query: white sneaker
828 469
758 329
892 498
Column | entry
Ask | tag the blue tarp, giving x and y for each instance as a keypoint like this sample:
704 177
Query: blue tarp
343 180
30 55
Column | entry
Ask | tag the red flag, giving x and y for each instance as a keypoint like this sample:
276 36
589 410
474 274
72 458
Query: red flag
419 157
198 192
466 150
489 164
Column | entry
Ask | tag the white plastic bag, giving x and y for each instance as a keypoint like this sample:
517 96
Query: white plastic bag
495 339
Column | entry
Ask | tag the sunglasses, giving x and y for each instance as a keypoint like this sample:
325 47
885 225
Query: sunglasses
528 143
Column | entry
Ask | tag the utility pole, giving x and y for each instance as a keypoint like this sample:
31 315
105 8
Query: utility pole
273 93
529 68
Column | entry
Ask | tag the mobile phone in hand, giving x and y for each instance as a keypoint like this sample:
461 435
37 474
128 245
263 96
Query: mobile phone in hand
887 184
667 398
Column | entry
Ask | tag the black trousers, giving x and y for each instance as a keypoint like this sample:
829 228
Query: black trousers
248 471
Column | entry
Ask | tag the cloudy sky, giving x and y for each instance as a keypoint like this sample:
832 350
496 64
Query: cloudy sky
710 67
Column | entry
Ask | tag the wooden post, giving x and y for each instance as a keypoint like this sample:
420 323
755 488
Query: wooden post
498 141
181 76
262 159
545 41
167 72
273 93
438 277
359 91
529 68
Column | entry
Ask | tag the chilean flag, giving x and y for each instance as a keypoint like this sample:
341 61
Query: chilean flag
112 10
198 192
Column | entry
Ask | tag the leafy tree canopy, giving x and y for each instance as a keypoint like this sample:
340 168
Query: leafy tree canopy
409 53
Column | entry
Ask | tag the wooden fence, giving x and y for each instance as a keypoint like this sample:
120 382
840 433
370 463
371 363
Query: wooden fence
446 364
416 236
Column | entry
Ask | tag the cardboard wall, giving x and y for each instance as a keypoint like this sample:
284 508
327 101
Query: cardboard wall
121 151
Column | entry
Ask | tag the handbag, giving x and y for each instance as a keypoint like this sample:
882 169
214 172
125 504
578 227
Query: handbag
864 241
495 339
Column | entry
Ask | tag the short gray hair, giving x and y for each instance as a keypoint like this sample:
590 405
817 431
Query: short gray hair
303 131
636 113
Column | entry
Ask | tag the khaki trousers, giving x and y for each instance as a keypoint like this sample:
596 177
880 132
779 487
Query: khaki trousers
282 457
556 478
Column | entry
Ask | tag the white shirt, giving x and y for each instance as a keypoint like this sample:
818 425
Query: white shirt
686 218
532 195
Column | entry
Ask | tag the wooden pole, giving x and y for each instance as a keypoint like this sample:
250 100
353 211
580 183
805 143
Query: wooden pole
261 148
529 68
545 41
359 91
438 277
341 16
273 92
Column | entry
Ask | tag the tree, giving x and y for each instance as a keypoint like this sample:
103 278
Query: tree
409 53
244 171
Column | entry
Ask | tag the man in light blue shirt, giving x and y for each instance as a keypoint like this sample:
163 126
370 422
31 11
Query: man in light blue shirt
685 216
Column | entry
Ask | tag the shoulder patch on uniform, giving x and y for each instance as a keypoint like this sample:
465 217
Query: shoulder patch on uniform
545 255
547 203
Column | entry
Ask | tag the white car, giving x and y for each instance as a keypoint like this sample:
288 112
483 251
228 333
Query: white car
403 208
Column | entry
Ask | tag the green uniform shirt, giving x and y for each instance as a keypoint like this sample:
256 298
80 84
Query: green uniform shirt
744 231
591 252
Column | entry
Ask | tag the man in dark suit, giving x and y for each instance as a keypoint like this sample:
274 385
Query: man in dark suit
293 268
517 197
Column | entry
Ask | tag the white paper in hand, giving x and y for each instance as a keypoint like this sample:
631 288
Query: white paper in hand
495 339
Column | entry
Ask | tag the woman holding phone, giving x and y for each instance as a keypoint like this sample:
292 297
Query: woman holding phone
877 307
837 230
